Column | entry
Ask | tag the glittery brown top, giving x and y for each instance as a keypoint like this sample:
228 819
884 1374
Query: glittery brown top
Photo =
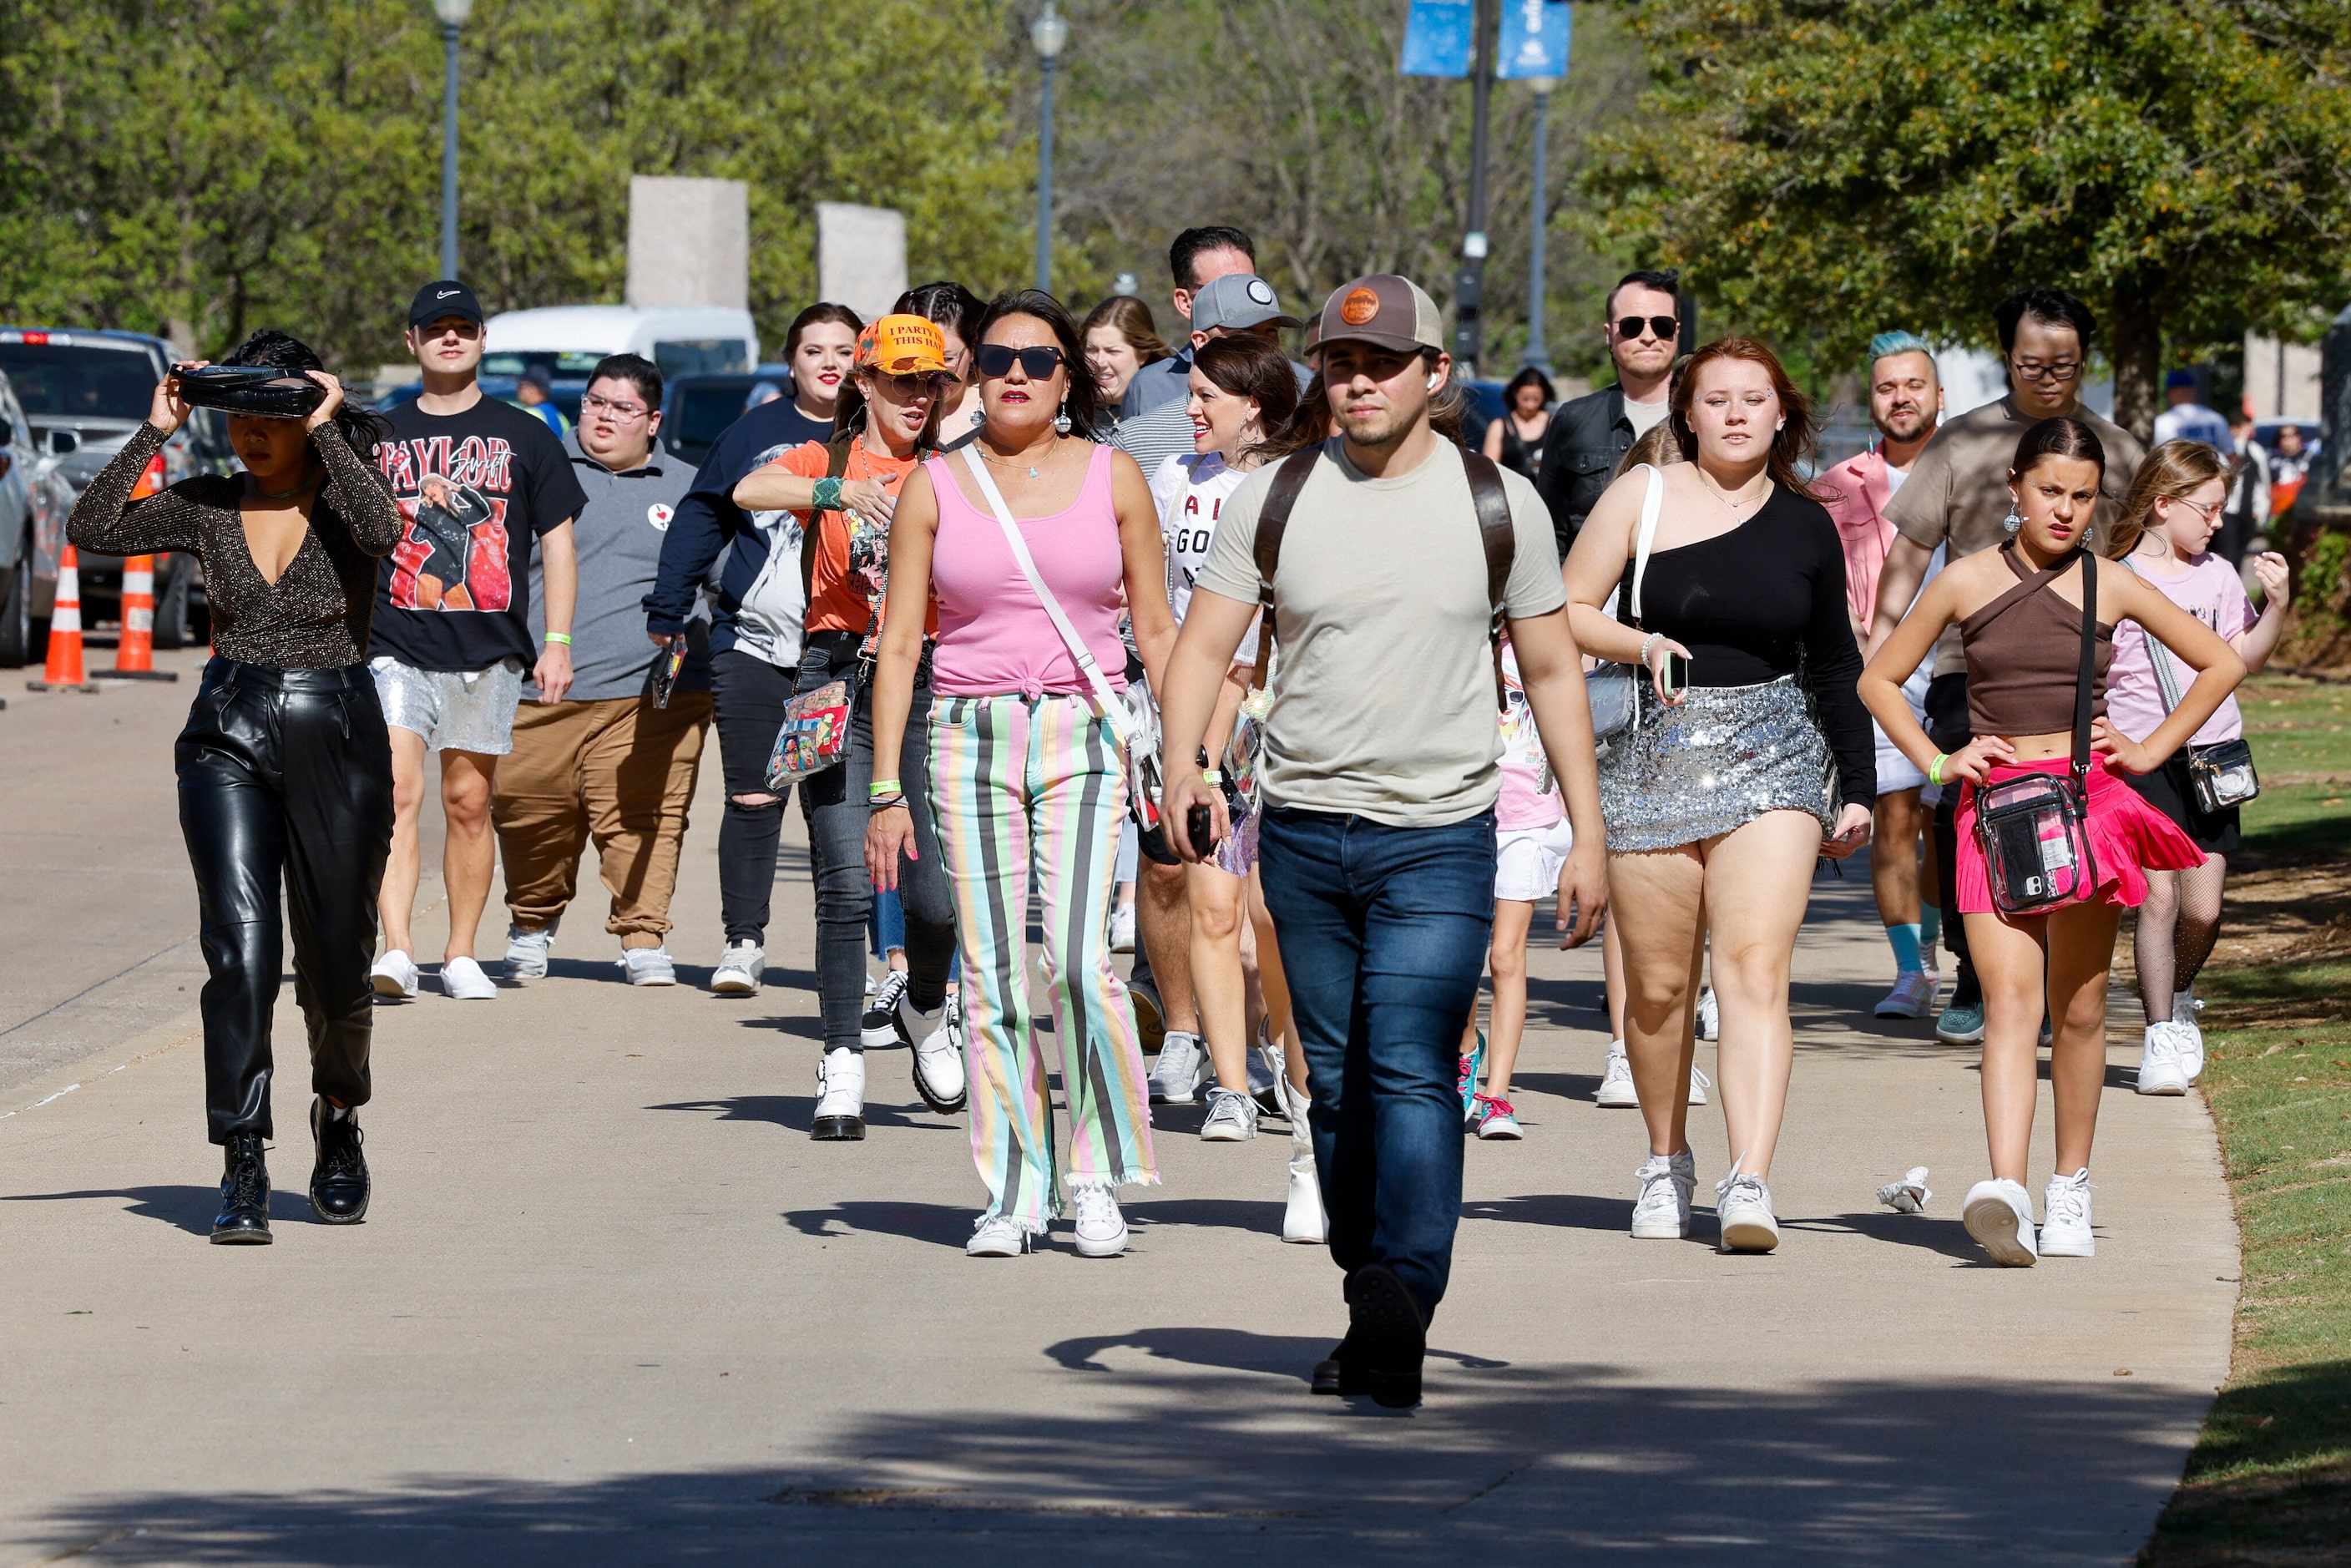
315 616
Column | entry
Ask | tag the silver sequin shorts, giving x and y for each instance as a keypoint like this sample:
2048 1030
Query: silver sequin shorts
473 710
1723 757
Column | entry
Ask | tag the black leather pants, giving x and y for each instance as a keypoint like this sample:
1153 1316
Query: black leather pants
285 774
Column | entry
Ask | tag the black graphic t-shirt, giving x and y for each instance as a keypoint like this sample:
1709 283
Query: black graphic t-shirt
476 488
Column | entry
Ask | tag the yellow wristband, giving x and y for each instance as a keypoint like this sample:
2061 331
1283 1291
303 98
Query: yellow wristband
562 637
881 786
1211 778
1935 768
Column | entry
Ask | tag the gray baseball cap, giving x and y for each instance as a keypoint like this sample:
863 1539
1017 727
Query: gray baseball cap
1237 302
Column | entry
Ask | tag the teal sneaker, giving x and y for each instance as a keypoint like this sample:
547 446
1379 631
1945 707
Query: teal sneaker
1961 1025
1471 1065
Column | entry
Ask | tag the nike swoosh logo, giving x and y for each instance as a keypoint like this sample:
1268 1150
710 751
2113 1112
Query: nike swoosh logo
448 294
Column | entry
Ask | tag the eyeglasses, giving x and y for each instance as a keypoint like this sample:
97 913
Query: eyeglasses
2034 370
1665 327
996 360
591 403
2201 509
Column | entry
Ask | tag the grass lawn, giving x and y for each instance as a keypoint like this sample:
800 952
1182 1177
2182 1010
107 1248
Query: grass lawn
2270 1482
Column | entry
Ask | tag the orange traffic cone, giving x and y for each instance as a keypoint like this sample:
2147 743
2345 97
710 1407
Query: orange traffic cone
134 651
64 671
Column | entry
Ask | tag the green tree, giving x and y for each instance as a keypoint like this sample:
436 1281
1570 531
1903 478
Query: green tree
1830 168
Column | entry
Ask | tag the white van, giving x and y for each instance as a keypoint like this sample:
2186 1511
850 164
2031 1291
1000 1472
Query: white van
569 339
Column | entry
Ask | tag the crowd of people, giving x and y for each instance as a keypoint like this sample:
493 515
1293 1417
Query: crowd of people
1252 666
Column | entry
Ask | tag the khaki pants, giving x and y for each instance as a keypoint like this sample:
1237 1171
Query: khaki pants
621 770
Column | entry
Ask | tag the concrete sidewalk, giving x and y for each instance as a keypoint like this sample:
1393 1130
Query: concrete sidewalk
613 1306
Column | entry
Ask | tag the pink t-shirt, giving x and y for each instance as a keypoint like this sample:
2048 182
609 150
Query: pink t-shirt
2210 591
1522 762
1855 493
995 638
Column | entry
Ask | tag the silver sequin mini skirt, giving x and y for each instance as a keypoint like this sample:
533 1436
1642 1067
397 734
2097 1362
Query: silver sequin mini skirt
1725 757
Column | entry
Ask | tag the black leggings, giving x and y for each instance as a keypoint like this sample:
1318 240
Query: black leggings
284 778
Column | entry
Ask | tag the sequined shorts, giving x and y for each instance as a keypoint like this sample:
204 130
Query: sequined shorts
1725 757
472 710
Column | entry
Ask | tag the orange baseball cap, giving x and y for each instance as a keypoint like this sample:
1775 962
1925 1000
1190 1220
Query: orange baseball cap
903 345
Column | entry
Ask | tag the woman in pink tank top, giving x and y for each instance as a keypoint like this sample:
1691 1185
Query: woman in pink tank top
1028 775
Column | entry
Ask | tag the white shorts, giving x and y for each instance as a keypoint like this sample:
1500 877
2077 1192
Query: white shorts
1526 861
453 710
1896 771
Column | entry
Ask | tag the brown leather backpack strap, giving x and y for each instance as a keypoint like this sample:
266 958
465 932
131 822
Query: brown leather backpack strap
1272 522
836 465
1500 538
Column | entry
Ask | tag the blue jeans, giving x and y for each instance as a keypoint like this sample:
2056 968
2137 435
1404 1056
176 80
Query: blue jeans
1383 934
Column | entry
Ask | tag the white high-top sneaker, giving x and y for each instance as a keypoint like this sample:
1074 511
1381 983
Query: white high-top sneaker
840 1097
2184 1007
1303 1219
938 1051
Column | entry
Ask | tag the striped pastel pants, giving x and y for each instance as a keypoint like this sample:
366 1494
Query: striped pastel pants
1025 788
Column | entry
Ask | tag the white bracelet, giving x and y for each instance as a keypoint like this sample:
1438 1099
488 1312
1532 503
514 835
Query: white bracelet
1647 642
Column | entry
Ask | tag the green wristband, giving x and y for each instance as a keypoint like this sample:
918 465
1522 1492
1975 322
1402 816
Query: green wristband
1935 768
881 786
562 637
826 495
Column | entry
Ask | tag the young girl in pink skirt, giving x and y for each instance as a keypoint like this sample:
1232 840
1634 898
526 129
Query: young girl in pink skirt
2019 609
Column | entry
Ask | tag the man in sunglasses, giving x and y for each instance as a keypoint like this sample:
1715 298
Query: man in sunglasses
1642 330
1957 495
617 759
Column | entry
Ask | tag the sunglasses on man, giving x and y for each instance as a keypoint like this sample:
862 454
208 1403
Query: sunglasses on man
996 360
1665 327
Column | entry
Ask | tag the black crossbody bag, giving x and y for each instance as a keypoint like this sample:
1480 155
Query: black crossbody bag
2219 774
2036 829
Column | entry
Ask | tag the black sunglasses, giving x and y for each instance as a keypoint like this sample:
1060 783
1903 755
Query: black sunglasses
994 360
1665 327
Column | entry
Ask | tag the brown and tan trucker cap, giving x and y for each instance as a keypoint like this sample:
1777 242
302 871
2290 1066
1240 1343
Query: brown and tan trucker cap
1384 311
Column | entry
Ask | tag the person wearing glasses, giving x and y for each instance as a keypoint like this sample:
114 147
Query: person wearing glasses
1957 498
845 493
615 760
1588 437
1032 540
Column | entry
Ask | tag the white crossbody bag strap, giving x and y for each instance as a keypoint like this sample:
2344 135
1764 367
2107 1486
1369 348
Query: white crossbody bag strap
1652 503
2166 681
1114 708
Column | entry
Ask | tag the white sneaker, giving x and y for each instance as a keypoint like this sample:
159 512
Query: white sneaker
394 977
1102 1229
1122 929
527 952
739 969
2184 1006
1303 1217
2163 1064
878 1029
997 1236
1616 1090
1913 996
938 1051
2065 1217
1709 1017
1266 1071
839 1115
648 966
1181 1068
1742 1208
1232 1116
1699 1084
1999 1215
1662 1212
462 979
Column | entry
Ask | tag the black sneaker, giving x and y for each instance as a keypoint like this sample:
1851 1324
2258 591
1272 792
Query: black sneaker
244 1217
1385 1326
339 1181
880 1029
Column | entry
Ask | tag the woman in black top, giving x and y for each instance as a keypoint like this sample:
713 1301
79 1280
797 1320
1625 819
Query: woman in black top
285 765
1516 440
1720 801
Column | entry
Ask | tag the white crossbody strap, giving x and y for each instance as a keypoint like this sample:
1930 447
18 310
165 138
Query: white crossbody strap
2166 681
1113 707
1652 503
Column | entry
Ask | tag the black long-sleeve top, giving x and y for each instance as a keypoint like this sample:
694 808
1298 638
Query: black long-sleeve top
316 615
1764 600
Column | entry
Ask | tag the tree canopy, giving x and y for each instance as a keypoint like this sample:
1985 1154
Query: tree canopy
1839 167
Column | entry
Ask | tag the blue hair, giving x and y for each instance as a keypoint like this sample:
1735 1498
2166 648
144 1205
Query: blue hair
1886 343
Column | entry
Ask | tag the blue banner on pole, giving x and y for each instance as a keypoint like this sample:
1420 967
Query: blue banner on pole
1535 38
1436 37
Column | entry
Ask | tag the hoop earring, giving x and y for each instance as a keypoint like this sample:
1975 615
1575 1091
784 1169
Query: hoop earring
2014 522
1062 420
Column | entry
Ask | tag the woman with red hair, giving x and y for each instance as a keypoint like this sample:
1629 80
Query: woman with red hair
1727 581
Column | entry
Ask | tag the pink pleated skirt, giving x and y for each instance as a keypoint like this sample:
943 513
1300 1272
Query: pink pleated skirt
2128 837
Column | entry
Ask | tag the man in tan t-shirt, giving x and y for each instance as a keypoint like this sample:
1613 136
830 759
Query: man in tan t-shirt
1957 495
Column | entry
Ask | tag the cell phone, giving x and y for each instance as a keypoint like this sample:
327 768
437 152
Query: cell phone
1677 674
666 666
1200 827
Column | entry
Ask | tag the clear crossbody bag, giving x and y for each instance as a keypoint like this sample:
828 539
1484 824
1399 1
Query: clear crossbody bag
2036 829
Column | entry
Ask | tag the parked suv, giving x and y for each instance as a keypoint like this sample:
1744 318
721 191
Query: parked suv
82 393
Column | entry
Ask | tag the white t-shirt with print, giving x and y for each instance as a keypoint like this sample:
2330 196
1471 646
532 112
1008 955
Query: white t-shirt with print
1190 490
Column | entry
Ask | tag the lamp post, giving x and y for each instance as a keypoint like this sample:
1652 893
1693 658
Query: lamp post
1537 354
453 14
1049 34
1469 282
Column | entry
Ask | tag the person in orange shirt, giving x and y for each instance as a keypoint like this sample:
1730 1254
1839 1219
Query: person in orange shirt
1905 403
845 492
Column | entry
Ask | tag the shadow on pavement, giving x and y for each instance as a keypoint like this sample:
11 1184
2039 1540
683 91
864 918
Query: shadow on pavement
1190 1442
1568 1210
944 1225
191 1208
795 1112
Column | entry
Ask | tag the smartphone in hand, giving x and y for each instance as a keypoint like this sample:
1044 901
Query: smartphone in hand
1676 678
1200 827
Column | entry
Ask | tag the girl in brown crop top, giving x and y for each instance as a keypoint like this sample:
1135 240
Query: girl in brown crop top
2019 609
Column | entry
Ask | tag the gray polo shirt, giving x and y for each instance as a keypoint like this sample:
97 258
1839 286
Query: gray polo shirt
619 538
1159 382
